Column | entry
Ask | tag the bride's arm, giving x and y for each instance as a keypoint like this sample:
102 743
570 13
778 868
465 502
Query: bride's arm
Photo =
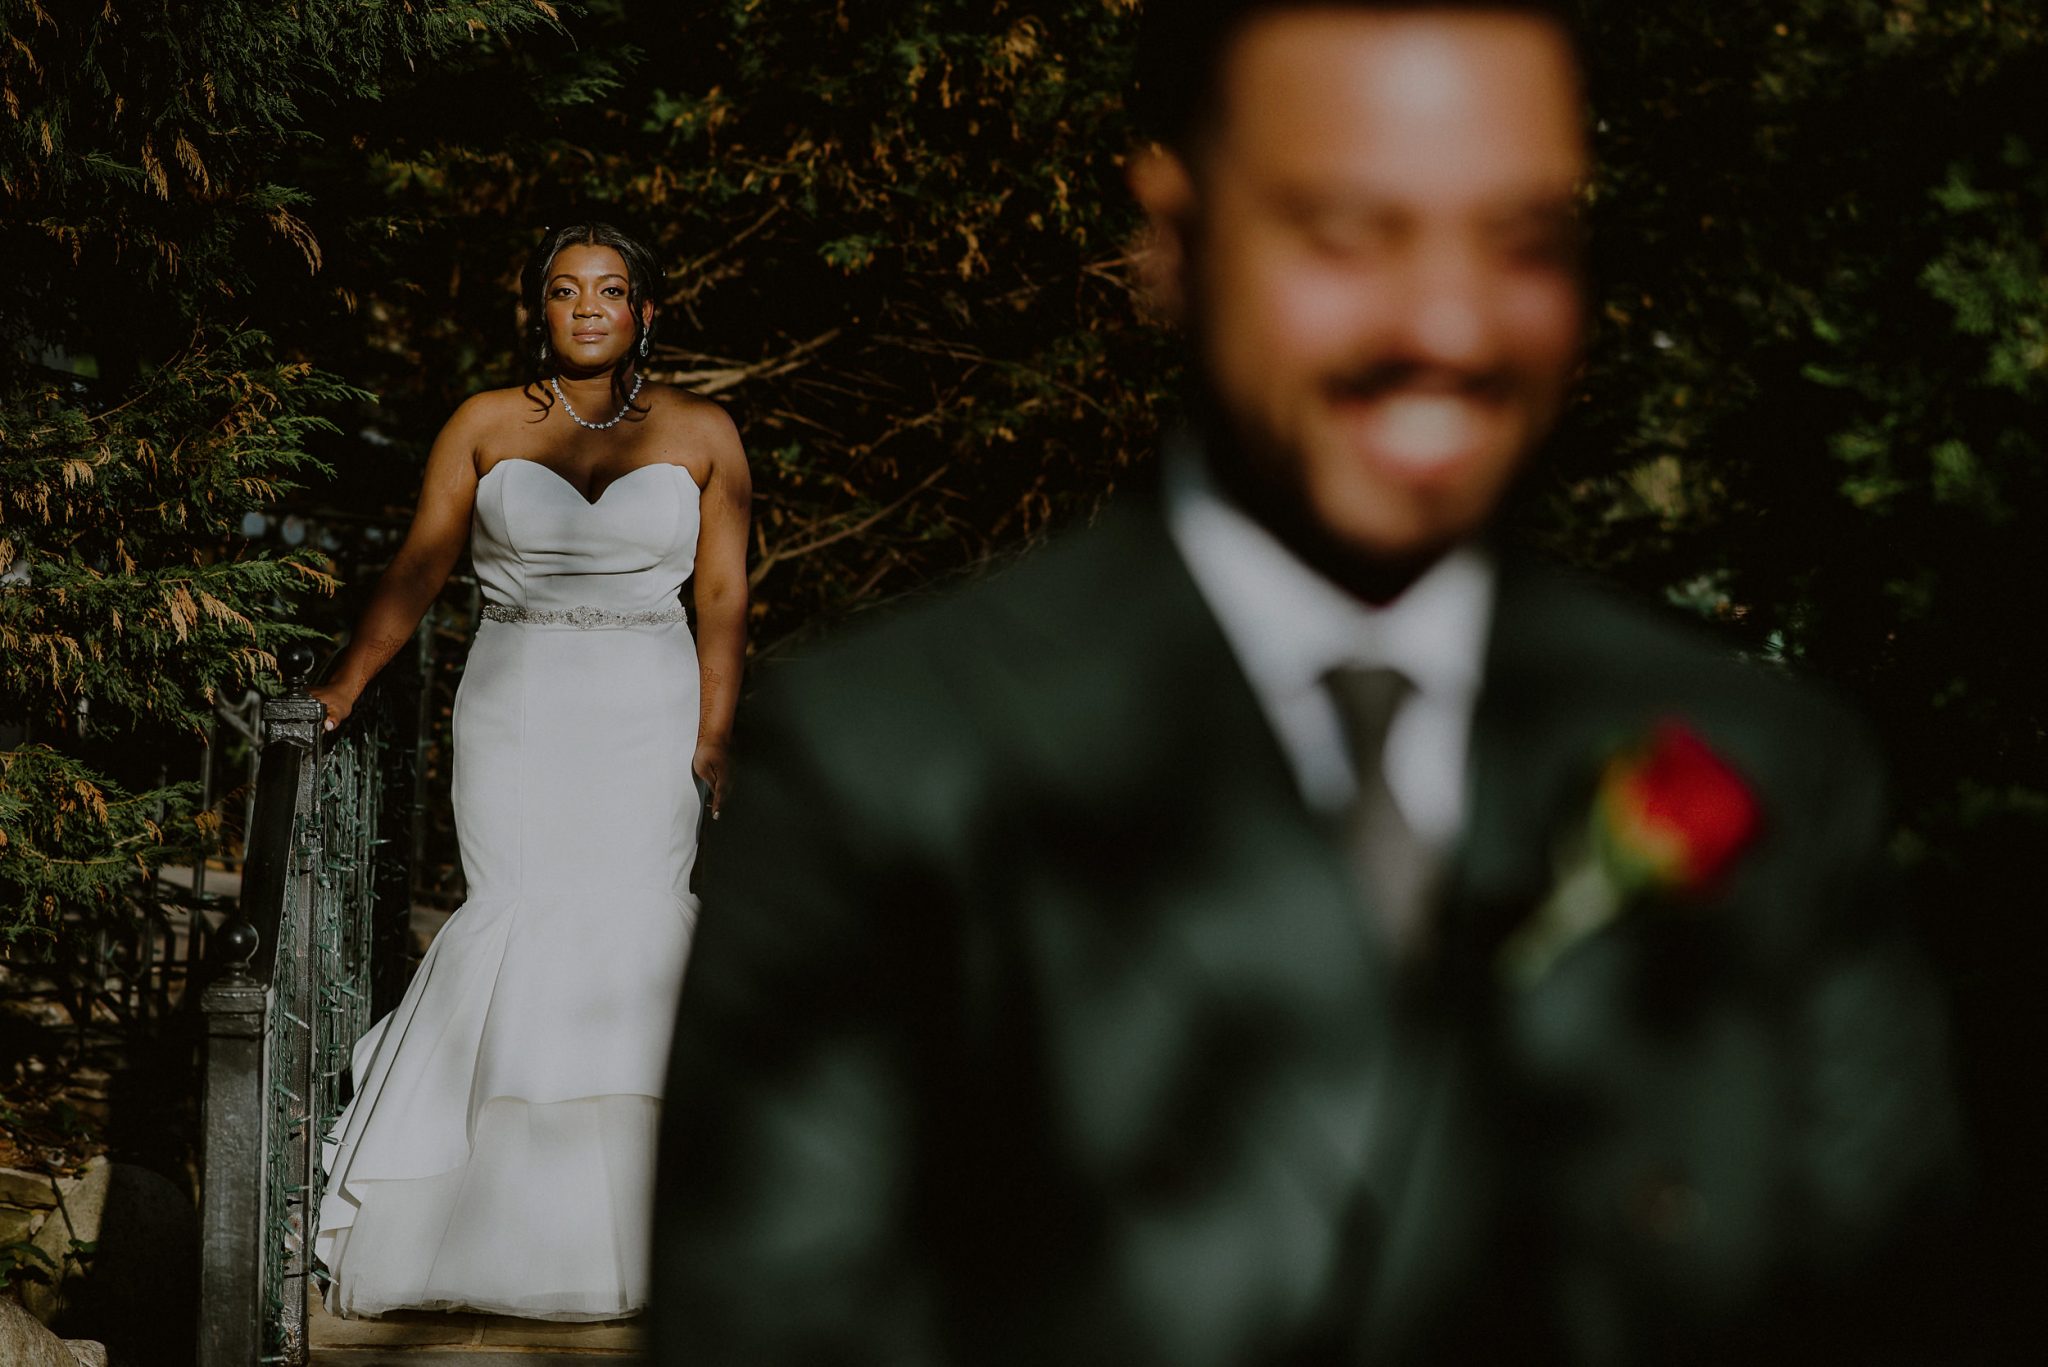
440 527
721 594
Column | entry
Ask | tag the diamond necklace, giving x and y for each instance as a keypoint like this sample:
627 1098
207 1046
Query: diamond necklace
580 420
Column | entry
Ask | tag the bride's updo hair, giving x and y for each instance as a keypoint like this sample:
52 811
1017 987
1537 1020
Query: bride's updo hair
643 283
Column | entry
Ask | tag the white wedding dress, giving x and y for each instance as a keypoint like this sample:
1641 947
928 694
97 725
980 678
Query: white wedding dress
498 1154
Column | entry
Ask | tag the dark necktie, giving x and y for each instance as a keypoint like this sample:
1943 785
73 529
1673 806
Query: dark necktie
1397 868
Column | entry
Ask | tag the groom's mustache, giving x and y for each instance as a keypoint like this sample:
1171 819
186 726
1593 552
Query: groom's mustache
1378 381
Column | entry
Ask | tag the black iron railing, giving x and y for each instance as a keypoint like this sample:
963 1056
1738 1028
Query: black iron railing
315 951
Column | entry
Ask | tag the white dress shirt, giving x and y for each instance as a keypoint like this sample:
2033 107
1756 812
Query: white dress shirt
1289 627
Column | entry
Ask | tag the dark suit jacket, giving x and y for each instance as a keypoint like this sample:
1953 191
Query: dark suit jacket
1034 1019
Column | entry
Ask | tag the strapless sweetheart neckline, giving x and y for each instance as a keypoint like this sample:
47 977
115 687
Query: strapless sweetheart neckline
565 482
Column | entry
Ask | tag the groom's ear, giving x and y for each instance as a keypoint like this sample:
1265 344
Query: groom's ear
1165 191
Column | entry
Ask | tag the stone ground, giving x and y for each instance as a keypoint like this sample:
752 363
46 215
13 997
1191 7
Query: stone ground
427 1340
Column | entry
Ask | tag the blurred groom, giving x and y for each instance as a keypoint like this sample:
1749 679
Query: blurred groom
1275 926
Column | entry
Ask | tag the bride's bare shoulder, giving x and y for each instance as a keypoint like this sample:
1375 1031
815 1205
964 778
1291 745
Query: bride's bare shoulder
512 404
690 418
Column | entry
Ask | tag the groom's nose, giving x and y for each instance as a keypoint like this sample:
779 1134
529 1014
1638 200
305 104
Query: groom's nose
1440 316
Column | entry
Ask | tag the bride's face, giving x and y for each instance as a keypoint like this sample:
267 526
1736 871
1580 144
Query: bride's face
590 323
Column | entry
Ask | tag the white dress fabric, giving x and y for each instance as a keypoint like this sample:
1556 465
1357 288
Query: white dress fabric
498 1154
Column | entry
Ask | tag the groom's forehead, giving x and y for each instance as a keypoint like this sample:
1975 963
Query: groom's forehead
1476 108
1193 64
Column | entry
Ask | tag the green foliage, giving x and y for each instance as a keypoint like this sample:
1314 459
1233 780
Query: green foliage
144 219
1814 407
134 603
898 247
122 528
71 840
22 1262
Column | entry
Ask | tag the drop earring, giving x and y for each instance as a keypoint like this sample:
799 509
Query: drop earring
643 345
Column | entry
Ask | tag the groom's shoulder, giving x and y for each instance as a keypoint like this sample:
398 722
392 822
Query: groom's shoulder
1053 610
1644 657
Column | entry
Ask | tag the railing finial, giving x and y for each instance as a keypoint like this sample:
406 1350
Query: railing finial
236 943
297 661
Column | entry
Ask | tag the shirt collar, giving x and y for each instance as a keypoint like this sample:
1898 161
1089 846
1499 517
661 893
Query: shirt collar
1290 626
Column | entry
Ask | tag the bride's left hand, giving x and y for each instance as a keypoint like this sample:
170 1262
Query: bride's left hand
712 765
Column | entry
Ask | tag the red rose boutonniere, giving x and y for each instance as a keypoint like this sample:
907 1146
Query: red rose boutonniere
1669 819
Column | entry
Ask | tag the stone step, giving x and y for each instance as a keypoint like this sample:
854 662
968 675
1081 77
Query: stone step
420 1338
458 1357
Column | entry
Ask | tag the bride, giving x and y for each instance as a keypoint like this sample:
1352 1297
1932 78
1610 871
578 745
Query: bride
499 1152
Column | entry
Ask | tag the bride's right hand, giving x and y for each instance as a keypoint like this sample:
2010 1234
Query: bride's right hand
338 701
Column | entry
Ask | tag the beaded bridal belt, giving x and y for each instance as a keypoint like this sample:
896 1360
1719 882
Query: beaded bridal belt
583 618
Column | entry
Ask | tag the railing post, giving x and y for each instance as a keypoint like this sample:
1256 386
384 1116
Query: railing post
231 1205
296 720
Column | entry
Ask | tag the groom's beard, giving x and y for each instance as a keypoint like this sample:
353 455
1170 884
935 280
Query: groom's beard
1265 476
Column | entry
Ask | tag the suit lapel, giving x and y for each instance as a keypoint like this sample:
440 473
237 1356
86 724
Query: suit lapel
1562 688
